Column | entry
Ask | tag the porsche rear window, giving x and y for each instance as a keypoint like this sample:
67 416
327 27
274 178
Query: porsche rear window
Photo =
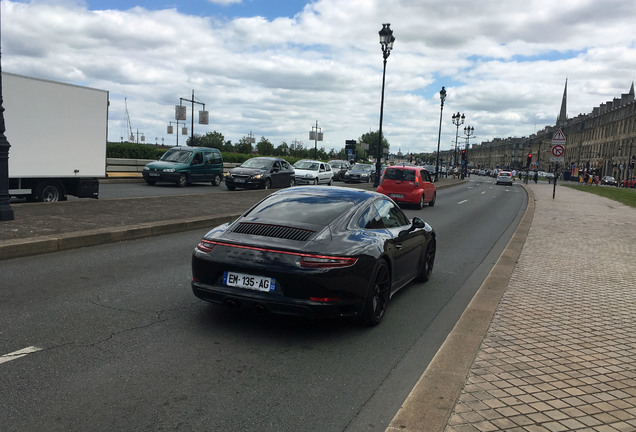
316 210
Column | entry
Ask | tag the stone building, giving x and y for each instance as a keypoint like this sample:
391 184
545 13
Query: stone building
602 143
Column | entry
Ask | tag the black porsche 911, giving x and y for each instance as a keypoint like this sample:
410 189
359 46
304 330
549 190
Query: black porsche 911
314 251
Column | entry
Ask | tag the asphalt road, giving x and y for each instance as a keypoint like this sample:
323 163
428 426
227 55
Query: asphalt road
124 345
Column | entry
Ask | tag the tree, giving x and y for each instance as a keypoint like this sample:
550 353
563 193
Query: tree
372 139
282 149
265 147
210 139
227 147
243 146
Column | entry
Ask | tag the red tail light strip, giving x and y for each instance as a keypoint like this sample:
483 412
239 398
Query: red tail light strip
306 260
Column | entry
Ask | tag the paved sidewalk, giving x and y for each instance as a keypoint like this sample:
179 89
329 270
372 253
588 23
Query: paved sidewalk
560 351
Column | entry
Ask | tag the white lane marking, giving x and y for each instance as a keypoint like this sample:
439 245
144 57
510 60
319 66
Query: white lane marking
462 202
483 192
17 354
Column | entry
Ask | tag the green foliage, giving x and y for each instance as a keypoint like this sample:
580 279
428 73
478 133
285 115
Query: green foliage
623 195
372 139
211 139
265 147
128 150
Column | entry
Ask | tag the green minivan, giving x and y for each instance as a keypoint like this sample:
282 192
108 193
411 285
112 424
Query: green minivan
185 165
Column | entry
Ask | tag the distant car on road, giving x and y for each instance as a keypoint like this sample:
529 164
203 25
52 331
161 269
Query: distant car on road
608 180
629 183
359 173
185 165
504 177
407 184
261 172
313 172
339 168
315 251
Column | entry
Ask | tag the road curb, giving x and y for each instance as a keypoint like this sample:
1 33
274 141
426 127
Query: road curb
430 404
46 244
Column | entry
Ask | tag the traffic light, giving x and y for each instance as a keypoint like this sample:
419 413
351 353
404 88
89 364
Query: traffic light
529 160
463 154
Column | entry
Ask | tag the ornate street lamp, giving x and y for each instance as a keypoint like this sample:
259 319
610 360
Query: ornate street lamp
442 97
468 131
6 212
457 120
386 42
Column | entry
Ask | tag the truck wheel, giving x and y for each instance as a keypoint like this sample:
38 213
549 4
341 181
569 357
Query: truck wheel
182 181
48 191
216 181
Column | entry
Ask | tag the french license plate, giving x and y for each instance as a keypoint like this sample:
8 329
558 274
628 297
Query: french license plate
154 174
239 180
242 280
396 195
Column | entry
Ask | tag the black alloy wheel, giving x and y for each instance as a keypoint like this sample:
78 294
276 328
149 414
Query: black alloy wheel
428 261
377 296
216 181
292 182
268 184
182 181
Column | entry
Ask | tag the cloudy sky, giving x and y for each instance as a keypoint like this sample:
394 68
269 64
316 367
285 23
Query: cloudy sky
275 67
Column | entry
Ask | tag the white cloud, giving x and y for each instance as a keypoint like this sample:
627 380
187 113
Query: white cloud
504 65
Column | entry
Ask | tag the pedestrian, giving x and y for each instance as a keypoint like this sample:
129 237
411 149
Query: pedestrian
535 177
514 173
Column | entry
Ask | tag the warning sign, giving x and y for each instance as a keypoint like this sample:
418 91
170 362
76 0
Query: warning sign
558 146
558 138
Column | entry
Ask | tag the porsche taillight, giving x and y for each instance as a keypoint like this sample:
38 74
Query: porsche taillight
320 261
205 246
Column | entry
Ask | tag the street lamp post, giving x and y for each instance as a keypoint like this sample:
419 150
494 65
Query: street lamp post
6 212
315 134
386 42
442 97
468 131
457 120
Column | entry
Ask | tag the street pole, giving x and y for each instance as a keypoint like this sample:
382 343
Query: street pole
386 43
6 212
457 120
442 97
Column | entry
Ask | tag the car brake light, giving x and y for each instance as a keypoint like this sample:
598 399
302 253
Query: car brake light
318 261
205 246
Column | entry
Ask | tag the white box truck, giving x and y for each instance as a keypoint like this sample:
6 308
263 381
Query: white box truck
58 135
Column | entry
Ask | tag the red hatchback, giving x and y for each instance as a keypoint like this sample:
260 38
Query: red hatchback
408 184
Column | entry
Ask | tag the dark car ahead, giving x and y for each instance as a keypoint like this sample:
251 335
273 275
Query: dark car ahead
314 251
339 168
185 165
359 173
261 172
608 180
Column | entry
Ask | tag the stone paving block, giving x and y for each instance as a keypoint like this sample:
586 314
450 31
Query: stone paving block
562 341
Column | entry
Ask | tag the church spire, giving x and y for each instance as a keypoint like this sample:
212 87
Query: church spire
563 113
